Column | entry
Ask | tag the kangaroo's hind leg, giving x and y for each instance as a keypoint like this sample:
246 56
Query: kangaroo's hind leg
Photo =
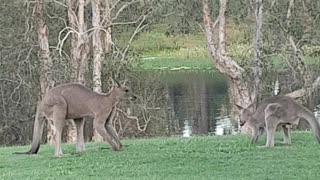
271 126
110 129
286 133
98 124
80 147
255 135
58 119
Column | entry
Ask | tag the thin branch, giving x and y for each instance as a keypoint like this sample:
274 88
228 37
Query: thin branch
60 3
125 23
136 119
123 8
114 4
137 30
61 42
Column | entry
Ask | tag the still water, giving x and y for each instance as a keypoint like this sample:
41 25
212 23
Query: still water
199 102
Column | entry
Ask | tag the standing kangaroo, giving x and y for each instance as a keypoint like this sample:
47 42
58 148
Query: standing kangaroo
75 101
275 111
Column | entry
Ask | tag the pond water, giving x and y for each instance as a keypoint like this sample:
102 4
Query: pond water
199 102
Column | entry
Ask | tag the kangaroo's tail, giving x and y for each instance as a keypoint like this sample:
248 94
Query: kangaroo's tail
37 133
315 126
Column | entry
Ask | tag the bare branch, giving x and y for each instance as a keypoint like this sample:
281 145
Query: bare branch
122 9
137 30
61 42
114 4
125 23
141 128
60 3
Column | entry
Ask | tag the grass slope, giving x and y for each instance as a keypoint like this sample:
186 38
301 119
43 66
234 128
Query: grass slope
163 63
227 157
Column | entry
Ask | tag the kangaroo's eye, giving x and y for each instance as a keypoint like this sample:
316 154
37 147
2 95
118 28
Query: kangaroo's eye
127 90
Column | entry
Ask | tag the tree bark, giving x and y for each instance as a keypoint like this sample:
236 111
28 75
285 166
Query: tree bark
46 80
72 22
106 23
224 63
83 43
97 54
79 51
257 64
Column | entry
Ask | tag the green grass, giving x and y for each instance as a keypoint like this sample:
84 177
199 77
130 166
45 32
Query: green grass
227 157
189 52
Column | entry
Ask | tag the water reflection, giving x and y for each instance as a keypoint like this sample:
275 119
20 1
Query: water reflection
224 126
201 100
186 130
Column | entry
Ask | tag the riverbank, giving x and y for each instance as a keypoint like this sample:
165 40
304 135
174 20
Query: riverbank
209 157
189 52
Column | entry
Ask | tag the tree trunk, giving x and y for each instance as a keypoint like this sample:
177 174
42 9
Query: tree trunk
100 9
224 63
83 43
44 57
257 64
221 60
72 22
79 51
97 55
106 23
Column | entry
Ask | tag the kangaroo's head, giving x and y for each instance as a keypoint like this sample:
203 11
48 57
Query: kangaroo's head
245 114
123 92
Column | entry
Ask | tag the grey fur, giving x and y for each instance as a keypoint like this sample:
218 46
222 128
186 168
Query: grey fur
277 111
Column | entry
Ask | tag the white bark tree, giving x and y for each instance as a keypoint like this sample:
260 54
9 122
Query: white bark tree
106 22
240 89
226 64
104 13
46 80
97 53
79 50
257 62
222 61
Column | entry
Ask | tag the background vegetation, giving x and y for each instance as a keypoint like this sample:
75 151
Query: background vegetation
173 39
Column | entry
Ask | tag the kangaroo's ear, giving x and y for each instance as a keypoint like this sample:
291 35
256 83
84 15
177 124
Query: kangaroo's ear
124 82
112 82
119 85
115 82
251 107
239 107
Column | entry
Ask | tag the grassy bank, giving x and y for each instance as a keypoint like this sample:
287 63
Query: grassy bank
174 63
189 52
227 157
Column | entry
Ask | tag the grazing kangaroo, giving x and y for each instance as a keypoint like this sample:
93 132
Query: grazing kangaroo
277 111
75 101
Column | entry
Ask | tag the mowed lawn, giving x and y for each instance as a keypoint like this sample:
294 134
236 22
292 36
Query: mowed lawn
207 157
